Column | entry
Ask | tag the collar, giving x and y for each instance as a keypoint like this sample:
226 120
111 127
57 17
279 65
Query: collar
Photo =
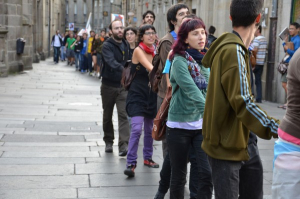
237 34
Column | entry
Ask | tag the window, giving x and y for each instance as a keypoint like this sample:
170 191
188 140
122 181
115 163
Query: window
75 8
84 8
67 8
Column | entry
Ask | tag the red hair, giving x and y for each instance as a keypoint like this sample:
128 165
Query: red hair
187 26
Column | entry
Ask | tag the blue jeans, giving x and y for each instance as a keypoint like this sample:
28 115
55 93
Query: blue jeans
84 62
90 62
258 72
62 53
179 143
56 54
238 179
77 59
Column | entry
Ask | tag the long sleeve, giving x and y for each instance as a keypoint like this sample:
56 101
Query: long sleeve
109 58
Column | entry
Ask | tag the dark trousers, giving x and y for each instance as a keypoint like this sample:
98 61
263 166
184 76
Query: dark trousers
179 143
238 179
258 73
56 54
112 96
90 62
83 62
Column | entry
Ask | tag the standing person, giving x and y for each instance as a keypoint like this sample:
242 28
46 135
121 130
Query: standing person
293 31
90 53
83 54
260 47
56 43
102 35
95 43
189 81
99 43
77 50
67 35
211 38
130 34
70 49
286 172
115 52
141 101
231 113
148 17
62 48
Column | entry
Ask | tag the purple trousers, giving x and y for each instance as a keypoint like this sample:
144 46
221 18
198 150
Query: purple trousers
136 131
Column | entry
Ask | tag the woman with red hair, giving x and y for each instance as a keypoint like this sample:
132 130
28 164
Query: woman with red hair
189 80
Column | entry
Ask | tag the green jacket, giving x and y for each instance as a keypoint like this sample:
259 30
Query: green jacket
230 112
187 103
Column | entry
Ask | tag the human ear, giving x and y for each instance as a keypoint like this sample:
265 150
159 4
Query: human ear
230 17
257 20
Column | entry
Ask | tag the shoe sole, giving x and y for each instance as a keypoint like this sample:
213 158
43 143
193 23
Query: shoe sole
122 154
129 173
156 166
108 151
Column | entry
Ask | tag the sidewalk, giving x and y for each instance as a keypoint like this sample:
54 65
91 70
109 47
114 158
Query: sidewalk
51 140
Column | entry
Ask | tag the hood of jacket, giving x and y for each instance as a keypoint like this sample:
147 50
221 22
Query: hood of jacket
226 38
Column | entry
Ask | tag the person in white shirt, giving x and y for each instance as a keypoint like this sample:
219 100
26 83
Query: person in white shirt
56 43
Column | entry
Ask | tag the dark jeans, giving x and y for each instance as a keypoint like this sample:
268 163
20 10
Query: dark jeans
99 61
90 62
77 59
83 62
258 73
238 179
112 96
179 143
56 54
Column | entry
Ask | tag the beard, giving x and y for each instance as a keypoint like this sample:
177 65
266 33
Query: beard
116 37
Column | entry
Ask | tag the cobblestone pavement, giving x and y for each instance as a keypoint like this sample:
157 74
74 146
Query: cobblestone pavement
51 140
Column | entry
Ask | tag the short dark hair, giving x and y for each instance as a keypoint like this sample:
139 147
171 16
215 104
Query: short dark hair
172 12
129 28
142 31
103 30
295 24
92 31
244 12
259 28
149 12
212 30
192 16
110 25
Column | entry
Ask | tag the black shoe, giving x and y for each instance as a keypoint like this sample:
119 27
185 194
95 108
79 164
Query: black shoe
129 171
159 195
123 153
108 148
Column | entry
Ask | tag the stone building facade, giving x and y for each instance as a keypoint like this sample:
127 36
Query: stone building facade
33 20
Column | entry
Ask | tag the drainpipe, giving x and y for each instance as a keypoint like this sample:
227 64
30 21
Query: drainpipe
49 27
270 95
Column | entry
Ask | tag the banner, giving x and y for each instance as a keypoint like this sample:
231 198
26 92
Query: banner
71 26
118 16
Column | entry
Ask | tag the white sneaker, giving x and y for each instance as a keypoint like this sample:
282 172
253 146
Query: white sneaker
98 74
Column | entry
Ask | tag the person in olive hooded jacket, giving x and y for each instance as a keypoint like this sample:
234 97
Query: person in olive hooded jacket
230 112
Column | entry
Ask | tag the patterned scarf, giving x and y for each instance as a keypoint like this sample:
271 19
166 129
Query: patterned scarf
147 49
194 58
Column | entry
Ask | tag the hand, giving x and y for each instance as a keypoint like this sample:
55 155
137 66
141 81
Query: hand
286 39
285 47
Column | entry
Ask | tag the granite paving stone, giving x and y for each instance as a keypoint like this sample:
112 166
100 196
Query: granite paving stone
38 193
50 144
41 161
8 154
45 148
78 133
35 133
36 170
41 138
45 182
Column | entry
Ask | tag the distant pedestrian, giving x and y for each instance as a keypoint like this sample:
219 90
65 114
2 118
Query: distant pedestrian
130 34
96 42
260 47
83 54
77 50
90 53
141 101
286 172
211 38
70 45
230 112
115 52
56 43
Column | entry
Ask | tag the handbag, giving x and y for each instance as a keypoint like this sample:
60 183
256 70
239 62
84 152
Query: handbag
160 121
127 75
282 67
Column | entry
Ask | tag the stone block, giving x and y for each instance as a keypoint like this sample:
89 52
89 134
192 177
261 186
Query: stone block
51 144
42 138
51 154
15 20
46 182
11 9
91 138
35 133
27 61
40 161
77 133
19 10
38 193
36 170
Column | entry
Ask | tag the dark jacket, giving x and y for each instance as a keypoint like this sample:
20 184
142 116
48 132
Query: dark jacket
210 40
231 112
78 46
60 40
114 59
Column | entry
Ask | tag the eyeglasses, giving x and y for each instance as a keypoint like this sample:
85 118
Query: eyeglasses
150 33
130 33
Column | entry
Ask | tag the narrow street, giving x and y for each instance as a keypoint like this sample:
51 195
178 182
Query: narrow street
51 140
